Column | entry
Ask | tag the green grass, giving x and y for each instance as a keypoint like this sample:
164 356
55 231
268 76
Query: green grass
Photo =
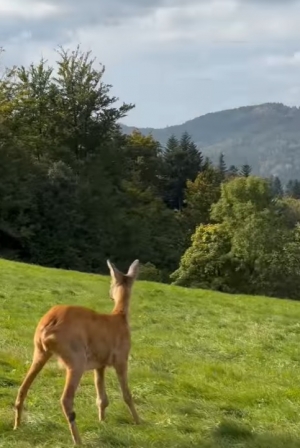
206 370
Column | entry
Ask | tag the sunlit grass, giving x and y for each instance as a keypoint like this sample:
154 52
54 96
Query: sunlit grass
207 370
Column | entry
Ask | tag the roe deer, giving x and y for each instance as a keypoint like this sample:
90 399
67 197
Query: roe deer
83 339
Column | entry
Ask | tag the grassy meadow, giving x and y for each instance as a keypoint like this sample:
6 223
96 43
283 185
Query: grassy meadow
206 370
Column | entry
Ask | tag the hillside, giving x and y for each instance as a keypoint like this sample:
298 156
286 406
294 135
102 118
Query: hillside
207 370
266 136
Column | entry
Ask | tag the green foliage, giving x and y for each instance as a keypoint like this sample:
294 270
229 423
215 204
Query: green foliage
75 190
276 186
19 182
152 232
207 263
233 171
222 166
183 162
200 195
150 273
245 170
293 189
290 211
254 249
241 197
143 157
55 207
269 255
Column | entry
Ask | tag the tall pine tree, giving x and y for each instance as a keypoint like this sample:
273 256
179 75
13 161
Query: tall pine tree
182 162
245 170
222 166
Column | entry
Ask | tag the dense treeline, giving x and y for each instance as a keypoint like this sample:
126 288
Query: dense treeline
75 190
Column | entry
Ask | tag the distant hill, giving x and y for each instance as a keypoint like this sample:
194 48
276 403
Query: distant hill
265 136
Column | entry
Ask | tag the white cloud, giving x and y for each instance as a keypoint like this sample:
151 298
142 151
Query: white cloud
21 9
174 58
292 60
224 21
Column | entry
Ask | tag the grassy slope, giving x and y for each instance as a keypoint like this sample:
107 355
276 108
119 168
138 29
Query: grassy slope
207 370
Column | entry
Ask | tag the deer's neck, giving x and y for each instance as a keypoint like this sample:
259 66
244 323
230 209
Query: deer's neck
121 303
120 308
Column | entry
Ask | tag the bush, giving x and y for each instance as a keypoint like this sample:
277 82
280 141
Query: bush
209 263
260 256
149 272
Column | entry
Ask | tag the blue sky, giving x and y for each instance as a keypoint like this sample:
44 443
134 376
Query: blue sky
175 59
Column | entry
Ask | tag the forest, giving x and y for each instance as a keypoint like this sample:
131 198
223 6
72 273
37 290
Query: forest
76 190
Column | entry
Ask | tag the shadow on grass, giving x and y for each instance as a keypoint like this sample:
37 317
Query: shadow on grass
235 434
228 434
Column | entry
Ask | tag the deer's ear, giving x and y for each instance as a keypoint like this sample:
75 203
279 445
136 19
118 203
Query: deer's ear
114 272
133 270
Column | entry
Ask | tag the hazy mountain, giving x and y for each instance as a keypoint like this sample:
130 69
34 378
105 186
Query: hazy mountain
265 136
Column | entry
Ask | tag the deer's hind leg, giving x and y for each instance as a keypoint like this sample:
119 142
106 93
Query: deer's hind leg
40 358
102 399
75 363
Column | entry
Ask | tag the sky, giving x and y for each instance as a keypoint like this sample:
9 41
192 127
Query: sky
174 59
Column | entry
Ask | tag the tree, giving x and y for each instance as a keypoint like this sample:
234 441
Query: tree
207 263
143 158
253 249
276 187
34 116
63 117
182 162
245 170
200 195
269 255
172 144
233 171
18 175
289 209
241 197
222 166
65 153
260 238
150 230
85 102
75 190
293 189
55 221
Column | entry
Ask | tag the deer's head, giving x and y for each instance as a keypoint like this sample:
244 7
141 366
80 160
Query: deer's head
121 284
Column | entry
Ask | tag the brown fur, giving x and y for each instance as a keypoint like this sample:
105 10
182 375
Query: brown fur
83 339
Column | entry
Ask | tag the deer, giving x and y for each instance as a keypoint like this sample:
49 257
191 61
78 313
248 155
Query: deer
82 339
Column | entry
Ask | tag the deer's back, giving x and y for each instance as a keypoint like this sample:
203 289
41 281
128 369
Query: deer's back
74 332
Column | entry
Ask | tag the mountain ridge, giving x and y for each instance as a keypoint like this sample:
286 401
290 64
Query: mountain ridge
266 136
